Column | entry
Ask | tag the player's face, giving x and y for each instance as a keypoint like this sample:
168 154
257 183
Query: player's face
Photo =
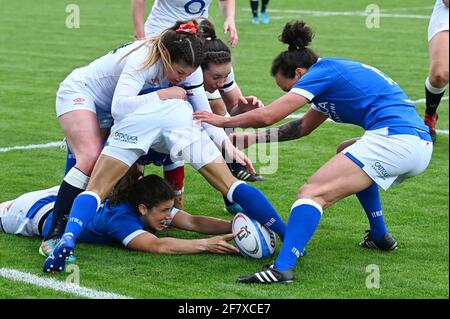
286 83
179 72
158 217
215 75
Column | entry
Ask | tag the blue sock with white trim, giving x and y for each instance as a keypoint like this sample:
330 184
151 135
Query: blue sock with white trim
256 205
303 221
370 201
83 210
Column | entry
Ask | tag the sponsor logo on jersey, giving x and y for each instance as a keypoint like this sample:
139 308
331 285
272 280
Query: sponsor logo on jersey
124 137
329 109
382 172
78 101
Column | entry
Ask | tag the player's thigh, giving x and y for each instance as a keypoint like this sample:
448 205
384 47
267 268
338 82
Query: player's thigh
82 132
336 179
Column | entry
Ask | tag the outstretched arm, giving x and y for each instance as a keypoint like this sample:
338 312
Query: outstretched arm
201 224
260 117
138 12
148 242
289 131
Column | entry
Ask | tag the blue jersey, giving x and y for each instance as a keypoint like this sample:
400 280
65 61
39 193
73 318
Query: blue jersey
352 92
112 224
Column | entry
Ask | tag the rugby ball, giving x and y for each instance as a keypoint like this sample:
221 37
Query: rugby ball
252 239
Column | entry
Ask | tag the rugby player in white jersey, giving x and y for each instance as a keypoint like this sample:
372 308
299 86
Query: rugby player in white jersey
166 12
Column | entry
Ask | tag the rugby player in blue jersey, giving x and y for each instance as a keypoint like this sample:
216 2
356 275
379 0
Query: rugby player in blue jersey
396 144
136 209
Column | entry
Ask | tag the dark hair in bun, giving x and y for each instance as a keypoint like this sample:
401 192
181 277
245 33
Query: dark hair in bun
297 35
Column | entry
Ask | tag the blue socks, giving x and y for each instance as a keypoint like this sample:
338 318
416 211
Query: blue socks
83 210
370 201
303 221
256 206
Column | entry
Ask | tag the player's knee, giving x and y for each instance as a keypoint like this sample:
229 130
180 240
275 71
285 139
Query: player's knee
439 76
311 191
86 160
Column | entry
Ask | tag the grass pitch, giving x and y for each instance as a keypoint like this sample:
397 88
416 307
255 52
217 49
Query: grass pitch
38 52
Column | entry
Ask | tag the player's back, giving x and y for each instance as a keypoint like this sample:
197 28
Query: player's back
165 13
353 92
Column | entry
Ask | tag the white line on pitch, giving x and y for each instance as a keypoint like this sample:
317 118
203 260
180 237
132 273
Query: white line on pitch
346 13
29 147
57 285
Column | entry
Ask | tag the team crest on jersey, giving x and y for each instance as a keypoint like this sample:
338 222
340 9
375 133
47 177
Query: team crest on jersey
78 101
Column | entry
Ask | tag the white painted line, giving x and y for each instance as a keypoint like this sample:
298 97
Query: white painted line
29 147
345 13
57 285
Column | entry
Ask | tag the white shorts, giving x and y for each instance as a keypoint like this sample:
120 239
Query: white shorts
439 19
168 127
72 95
390 159
214 95
16 217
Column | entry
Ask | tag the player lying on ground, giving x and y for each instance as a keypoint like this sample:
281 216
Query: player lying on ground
130 216
396 145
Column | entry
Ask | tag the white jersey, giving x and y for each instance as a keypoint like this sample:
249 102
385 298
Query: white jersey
114 83
165 13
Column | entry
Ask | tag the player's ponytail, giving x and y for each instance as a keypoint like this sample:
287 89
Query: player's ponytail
214 49
180 43
124 186
297 35
137 189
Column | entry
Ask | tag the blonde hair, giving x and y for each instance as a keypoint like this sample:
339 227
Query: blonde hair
172 46
157 50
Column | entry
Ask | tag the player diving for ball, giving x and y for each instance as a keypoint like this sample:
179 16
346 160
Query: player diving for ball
137 208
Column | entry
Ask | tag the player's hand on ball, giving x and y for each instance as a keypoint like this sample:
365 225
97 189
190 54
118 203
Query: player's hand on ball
220 245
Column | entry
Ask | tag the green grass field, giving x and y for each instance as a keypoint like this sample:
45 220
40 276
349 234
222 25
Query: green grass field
38 52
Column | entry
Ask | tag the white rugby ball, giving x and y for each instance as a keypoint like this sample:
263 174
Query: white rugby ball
253 239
